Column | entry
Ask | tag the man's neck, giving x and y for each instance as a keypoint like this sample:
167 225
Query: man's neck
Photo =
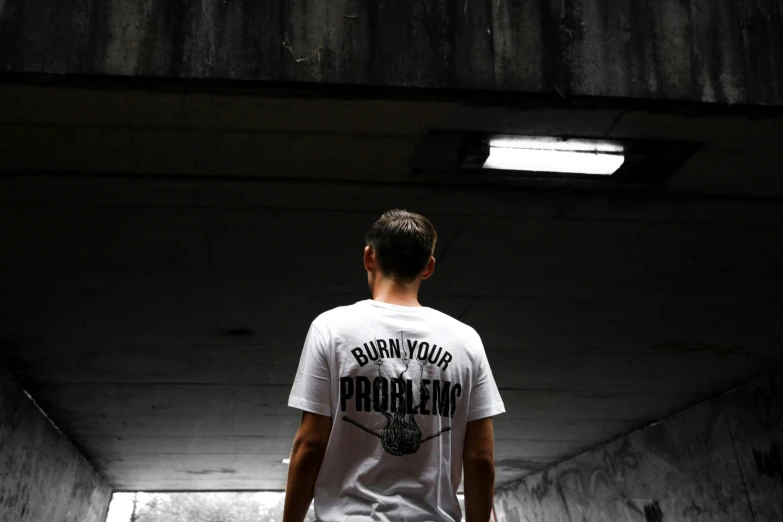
392 292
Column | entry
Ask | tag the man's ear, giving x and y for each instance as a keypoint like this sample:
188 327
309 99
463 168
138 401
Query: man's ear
369 259
430 268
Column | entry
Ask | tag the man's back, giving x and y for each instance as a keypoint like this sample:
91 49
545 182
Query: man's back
400 384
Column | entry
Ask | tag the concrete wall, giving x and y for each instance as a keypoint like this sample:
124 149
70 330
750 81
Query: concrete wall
726 51
42 476
719 461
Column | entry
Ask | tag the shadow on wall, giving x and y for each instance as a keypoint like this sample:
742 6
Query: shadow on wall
719 461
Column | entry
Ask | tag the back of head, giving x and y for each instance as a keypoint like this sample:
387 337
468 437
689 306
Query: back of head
403 243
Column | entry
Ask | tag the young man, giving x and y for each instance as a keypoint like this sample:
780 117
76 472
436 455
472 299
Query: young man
396 398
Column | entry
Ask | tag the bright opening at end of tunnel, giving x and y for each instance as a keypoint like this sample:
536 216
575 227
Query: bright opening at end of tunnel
250 506
554 155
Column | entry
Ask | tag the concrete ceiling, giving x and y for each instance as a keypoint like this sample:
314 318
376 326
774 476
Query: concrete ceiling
350 133
164 253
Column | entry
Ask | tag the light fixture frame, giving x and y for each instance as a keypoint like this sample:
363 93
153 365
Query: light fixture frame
457 156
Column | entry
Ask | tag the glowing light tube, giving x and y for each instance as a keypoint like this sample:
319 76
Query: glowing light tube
551 155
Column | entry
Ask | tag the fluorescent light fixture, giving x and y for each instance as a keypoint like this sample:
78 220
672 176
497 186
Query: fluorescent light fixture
550 143
554 155
286 461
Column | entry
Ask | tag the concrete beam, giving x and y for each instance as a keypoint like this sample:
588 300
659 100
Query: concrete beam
726 52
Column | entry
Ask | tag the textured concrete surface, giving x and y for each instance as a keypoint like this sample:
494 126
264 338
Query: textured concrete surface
718 461
159 320
42 476
727 52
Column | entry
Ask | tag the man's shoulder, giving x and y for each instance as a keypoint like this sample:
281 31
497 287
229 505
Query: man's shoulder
337 315
347 315
452 323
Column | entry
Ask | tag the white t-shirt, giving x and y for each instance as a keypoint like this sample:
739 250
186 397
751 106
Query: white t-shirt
400 384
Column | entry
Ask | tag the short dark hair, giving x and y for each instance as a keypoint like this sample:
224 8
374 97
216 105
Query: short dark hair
403 243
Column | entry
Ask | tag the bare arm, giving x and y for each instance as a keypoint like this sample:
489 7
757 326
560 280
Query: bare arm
478 461
307 455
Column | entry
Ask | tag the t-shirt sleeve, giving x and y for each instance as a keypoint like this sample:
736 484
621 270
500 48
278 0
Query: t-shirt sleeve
485 400
311 391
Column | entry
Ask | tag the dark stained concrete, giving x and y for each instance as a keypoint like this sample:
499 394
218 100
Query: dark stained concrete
726 52
42 476
719 461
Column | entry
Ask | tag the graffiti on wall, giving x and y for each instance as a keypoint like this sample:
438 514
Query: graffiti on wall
684 468
769 463
653 512
578 492
768 402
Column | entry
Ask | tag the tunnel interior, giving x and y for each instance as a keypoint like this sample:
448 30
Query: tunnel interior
177 203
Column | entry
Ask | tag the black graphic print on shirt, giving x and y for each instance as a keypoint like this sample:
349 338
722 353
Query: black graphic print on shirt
393 396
